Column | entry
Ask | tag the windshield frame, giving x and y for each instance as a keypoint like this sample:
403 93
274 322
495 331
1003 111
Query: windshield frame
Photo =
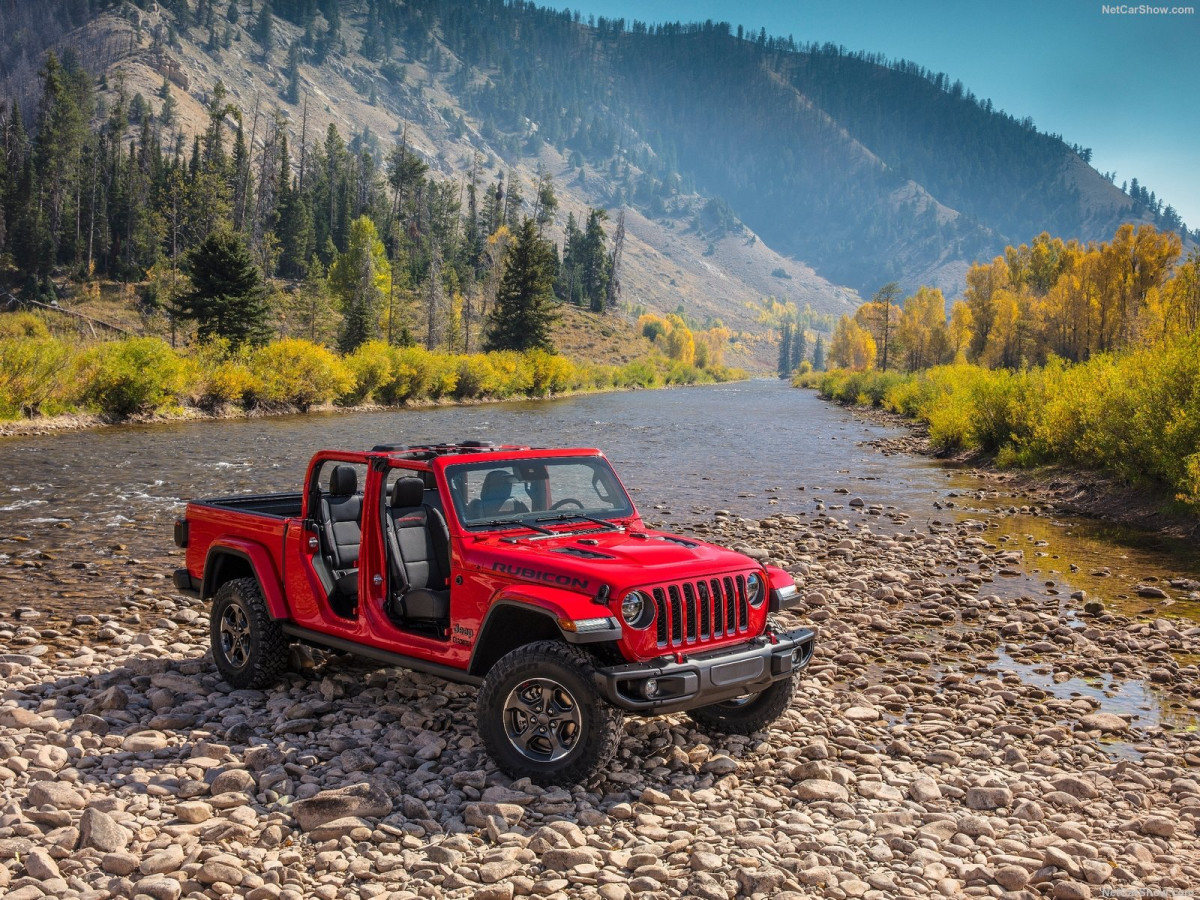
536 519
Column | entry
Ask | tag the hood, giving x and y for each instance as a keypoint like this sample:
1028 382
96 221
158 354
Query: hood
622 560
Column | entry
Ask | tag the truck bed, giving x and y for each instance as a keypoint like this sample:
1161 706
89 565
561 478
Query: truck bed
280 506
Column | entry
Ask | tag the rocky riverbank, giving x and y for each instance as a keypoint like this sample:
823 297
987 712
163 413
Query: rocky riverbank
915 761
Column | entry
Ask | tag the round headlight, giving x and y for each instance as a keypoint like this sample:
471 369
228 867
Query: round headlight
637 610
755 593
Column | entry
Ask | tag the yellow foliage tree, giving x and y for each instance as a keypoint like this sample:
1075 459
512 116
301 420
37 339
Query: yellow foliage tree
680 343
962 327
852 346
922 330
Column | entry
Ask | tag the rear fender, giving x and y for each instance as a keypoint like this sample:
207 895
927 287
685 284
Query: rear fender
219 566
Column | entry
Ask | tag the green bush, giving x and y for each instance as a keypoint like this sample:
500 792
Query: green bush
135 375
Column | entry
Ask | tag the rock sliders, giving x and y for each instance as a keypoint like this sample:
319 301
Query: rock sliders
912 763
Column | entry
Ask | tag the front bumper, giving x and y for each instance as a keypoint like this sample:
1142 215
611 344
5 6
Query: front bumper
707 677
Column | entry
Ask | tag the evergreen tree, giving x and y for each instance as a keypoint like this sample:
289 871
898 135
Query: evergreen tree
297 239
513 202
785 350
292 93
228 298
545 201
799 348
360 278
567 286
594 264
264 28
819 355
524 309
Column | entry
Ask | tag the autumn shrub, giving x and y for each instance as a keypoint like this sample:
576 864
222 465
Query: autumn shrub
371 367
638 373
409 377
443 375
229 382
1149 424
681 373
135 375
512 375
721 374
22 325
807 378
866 387
35 376
295 372
1135 414
218 376
551 373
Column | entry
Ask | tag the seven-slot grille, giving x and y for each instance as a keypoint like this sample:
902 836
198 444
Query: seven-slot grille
690 612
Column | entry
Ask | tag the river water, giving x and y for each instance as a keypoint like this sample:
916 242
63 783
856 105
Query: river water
77 510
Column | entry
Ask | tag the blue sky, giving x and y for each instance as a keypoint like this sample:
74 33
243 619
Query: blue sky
1123 84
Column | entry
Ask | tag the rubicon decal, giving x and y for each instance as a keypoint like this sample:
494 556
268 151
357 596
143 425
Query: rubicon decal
531 574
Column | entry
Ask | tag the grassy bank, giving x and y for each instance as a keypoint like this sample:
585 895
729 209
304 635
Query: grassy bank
42 375
1135 414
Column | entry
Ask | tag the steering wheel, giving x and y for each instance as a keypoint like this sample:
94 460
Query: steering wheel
565 501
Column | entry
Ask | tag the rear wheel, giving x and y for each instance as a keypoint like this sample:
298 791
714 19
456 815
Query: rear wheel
248 646
745 715
542 717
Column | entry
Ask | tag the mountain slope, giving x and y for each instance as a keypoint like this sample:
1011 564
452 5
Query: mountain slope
749 167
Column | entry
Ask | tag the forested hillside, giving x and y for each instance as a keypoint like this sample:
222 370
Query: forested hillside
736 161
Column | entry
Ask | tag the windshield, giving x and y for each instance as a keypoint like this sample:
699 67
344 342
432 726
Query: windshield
529 491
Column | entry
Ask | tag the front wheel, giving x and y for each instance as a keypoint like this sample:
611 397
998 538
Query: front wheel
745 715
248 646
541 716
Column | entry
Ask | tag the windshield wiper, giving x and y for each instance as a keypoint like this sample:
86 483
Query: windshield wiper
566 517
512 521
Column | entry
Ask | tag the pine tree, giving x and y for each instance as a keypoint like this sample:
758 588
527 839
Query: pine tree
228 298
264 28
361 279
524 309
785 350
819 355
799 348
594 264
545 201
292 94
567 286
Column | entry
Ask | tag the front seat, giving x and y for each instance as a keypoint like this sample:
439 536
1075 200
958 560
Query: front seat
420 549
495 497
341 518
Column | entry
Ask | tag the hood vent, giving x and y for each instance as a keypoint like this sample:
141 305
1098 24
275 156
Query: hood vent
581 553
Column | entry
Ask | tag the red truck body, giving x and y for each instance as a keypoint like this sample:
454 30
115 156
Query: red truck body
574 569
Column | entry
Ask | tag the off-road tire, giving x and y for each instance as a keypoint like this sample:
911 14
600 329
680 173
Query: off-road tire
746 715
248 646
584 727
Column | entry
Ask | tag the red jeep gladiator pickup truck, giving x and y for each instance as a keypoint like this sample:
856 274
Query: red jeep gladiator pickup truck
525 571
